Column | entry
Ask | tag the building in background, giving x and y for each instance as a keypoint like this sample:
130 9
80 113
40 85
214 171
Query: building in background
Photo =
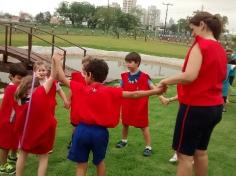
128 5
151 17
115 5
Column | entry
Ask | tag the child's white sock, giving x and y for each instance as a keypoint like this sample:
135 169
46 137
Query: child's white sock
124 140
148 147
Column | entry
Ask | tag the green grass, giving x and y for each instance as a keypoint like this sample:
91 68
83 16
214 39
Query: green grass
129 161
151 47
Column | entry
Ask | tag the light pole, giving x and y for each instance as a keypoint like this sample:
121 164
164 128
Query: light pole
167 7
108 4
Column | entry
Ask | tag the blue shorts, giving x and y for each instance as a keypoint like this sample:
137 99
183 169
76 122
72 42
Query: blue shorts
88 138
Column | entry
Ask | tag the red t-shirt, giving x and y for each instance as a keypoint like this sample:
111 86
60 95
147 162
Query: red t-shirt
75 76
96 104
206 90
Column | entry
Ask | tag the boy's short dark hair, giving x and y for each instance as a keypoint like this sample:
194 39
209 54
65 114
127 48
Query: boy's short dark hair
98 68
133 56
18 69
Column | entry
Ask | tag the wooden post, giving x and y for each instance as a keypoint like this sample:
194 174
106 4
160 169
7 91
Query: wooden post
10 34
30 43
53 42
64 61
5 55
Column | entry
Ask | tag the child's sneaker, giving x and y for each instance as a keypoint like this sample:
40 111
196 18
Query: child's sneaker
121 144
7 169
173 159
147 152
69 145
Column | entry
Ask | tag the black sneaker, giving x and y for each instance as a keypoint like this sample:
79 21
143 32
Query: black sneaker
147 152
69 145
121 144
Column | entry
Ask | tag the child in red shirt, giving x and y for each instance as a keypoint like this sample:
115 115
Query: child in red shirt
36 124
98 109
135 112
8 137
41 72
78 77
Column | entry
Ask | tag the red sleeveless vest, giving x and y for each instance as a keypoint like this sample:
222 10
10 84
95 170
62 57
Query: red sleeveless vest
8 137
135 111
52 97
206 90
40 130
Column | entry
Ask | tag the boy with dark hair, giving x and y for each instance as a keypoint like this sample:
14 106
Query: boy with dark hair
135 112
94 117
78 77
8 139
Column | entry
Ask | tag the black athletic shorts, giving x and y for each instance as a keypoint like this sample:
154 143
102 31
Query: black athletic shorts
194 125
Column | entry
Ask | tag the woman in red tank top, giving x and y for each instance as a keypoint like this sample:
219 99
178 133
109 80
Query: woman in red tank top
199 88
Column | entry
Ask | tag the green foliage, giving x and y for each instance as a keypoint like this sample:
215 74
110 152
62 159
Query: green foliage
101 16
43 18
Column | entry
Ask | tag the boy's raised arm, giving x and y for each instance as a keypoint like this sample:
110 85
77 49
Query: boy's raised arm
58 68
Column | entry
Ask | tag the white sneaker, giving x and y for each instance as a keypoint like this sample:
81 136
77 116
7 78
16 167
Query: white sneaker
173 159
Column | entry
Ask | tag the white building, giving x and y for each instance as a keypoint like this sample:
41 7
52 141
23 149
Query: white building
151 17
128 5
171 22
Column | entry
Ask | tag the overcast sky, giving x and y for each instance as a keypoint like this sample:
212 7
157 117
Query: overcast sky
180 8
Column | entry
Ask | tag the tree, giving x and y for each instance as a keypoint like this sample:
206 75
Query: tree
183 25
7 15
47 17
43 17
77 12
64 11
39 17
174 28
104 17
128 22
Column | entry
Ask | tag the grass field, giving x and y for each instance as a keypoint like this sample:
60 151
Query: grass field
151 47
130 162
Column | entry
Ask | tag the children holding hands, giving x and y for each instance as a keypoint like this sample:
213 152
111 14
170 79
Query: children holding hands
94 117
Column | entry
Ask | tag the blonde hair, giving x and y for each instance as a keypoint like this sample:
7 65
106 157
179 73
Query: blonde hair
24 86
39 64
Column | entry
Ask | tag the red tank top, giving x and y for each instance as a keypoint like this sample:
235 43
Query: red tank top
52 97
8 136
75 76
6 107
135 111
206 90
39 134
96 104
